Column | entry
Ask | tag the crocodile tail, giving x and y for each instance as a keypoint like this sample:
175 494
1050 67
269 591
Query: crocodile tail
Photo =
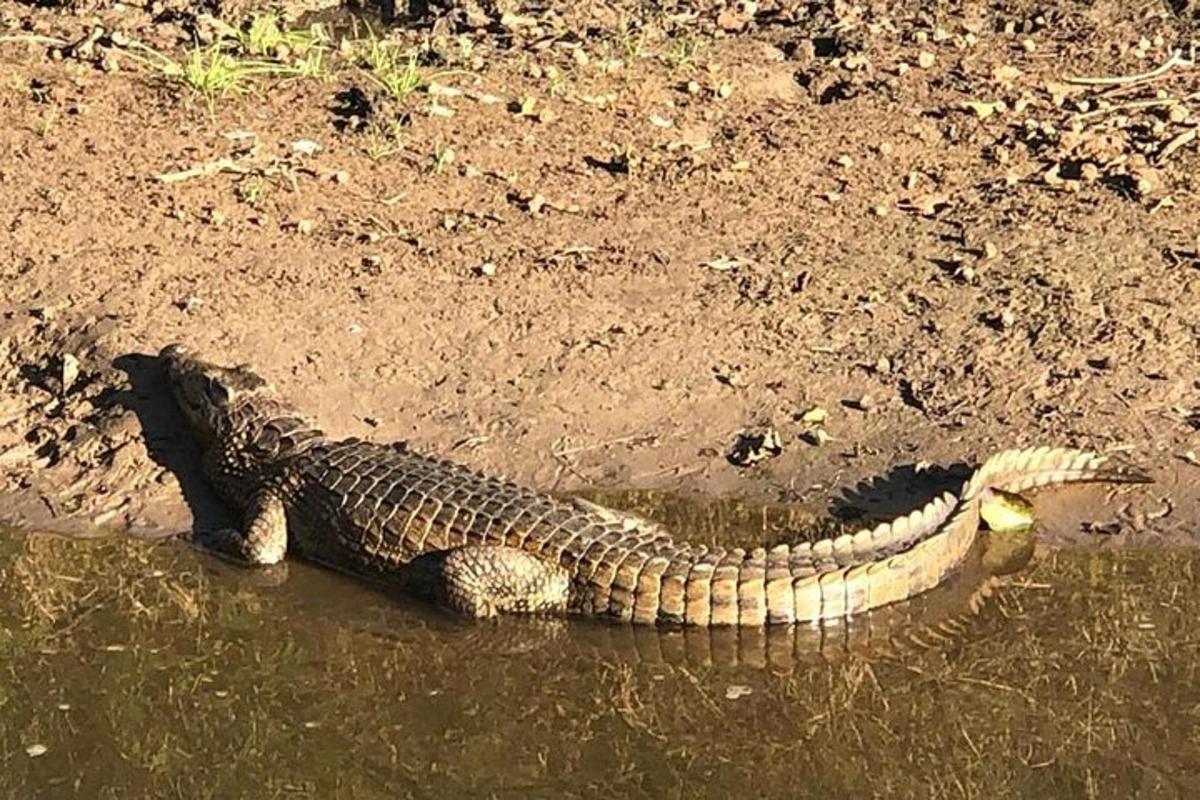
1020 470
941 534
832 578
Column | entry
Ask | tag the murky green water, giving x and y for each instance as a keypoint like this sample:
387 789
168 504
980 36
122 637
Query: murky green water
131 670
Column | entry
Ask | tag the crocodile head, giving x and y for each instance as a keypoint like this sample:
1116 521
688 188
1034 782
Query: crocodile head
212 398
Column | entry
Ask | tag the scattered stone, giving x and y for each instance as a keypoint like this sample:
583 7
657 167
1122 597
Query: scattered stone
69 372
814 416
725 263
1000 320
862 403
306 147
983 110
730 20
1108 527
816 437
751 448
190 304
729 375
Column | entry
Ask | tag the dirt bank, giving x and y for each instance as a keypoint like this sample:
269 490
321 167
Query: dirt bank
598 254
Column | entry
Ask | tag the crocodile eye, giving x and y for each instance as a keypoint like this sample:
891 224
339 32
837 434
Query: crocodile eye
217 393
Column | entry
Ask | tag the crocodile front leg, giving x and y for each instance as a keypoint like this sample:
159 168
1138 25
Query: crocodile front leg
263 540
487 580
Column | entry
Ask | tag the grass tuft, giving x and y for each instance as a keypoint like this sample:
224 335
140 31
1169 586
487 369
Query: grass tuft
395 72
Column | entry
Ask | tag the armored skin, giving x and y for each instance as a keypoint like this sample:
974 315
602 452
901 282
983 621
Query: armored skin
484 546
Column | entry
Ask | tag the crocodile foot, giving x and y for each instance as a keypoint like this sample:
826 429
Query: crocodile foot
486 580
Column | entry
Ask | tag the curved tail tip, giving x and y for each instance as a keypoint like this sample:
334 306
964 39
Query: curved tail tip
1121 471
1138 476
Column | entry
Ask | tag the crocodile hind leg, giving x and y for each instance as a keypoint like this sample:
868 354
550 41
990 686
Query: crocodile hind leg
487 580
261 542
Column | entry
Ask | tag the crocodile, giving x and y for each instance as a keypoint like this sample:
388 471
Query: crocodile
484 546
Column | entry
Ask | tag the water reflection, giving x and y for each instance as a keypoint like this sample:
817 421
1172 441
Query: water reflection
149 670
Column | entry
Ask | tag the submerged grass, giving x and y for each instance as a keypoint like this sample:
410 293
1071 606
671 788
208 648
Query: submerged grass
1078 680
1049 707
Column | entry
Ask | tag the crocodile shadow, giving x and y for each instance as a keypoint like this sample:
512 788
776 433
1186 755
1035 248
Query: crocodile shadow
900 490
168 441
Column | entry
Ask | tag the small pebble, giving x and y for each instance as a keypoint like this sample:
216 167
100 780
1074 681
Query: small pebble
306 147
862 403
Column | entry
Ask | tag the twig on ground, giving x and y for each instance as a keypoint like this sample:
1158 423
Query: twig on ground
1136 105
1176 60
1179 141
596 446
204 170
31 39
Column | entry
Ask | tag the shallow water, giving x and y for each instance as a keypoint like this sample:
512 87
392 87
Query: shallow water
148 670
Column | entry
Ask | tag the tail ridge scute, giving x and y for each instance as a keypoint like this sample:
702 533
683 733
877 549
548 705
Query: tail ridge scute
934 540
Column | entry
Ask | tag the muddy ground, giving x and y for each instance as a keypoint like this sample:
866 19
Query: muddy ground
598 247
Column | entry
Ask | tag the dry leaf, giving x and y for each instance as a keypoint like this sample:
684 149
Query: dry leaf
815 415
981 109
1005 511
725 263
